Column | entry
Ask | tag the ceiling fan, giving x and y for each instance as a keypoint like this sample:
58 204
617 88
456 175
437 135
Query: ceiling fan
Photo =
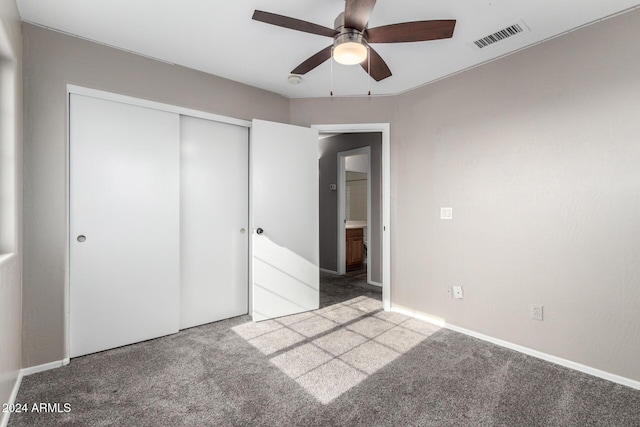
351 37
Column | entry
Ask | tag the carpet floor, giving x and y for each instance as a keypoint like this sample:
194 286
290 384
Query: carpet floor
347 364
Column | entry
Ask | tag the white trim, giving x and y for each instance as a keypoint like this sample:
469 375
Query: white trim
324 270
341 261
44 367
67 253
250 227
369 241
4 422
110 96
521 349
372 283
9 148
385 129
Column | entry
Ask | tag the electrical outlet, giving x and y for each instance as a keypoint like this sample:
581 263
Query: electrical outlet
536 311
457 292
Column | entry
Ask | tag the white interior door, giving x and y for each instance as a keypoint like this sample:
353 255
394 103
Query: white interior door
214 221
124 224
285 241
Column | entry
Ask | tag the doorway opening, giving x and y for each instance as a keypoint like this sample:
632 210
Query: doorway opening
337 144
355 225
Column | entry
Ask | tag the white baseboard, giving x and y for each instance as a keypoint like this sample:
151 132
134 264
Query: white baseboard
372 283
528 351
4 421
45 367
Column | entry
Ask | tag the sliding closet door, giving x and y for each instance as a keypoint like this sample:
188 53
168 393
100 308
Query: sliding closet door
214 221
124 224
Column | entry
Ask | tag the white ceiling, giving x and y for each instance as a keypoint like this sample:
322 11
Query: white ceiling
220 38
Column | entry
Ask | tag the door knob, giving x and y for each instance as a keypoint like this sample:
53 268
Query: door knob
81 238
259 231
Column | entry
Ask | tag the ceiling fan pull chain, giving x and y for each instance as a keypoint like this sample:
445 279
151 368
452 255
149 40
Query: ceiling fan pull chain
331 72
369 69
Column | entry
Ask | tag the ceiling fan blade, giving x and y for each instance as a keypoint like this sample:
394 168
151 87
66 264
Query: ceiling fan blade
357 12
293 23
379 69
412 31
313 61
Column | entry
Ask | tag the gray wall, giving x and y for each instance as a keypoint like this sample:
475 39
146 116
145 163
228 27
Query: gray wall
10 160
51 60
329 149
538 155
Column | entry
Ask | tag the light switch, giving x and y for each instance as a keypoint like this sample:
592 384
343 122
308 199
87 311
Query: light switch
446 213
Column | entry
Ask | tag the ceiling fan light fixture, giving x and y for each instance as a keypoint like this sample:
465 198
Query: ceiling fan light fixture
349 48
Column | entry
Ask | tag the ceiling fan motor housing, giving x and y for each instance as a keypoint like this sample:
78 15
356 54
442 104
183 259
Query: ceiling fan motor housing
338 24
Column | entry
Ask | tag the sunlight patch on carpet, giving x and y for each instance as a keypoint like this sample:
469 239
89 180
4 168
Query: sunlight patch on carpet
333 349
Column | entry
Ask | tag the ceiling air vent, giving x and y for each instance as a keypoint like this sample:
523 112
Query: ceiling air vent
505 33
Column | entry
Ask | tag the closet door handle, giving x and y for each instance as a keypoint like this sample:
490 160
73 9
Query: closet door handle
259 231
81 238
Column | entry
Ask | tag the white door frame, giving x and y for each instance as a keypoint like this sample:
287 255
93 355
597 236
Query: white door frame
80 90
384 129
342 205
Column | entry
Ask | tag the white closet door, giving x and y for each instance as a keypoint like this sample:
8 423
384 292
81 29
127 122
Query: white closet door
124 224
284 176
214 221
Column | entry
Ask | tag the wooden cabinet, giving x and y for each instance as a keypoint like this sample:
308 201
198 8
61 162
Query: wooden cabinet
355 247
